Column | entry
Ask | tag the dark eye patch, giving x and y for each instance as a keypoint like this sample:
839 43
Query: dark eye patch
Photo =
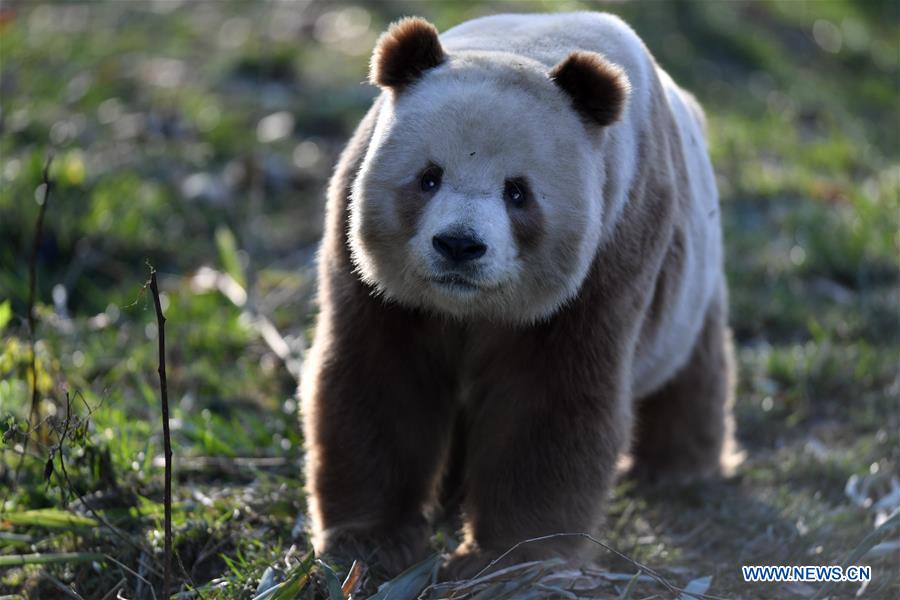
515 192
430 179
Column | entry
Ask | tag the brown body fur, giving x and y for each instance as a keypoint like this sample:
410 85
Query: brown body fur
546 409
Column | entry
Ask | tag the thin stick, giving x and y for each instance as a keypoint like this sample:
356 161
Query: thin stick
61 586
114 591
71 488
133 572
167 441
32 282
59 450
34 416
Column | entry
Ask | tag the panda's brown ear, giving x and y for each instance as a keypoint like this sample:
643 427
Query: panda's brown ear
598 88
404 52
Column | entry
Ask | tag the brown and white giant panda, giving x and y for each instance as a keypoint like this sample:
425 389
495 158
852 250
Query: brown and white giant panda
521 279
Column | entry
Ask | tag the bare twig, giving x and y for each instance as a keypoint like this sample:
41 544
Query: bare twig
34 417
32 282
187 576
128 569
59 449
114 590
167 440
103 520
66 590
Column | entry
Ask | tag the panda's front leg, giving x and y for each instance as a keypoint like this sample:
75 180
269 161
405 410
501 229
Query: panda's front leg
377 414
542 453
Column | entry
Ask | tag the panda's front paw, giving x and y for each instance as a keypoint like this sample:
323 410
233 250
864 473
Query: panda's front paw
389 554
469 561
465 563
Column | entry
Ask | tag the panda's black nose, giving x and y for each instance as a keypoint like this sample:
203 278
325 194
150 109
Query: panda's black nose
458 248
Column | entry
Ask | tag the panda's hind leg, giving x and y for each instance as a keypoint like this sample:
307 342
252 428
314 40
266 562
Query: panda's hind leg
684 431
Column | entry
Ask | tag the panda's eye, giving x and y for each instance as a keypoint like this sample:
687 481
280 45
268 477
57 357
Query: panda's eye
515 191
430 179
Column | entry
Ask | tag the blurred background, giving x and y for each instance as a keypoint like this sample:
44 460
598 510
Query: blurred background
199 137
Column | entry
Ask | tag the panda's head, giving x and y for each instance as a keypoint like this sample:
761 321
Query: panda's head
480 194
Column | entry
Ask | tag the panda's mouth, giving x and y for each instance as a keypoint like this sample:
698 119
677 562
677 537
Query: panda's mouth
456 282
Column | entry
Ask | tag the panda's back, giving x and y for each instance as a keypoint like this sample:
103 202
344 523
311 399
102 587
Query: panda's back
548 38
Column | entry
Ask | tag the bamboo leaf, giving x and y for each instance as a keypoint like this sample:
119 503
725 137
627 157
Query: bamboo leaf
696 587
410 583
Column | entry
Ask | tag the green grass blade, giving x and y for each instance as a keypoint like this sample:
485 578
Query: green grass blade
49 518
15 539
5 313
296 580
19 560
227 246
629 589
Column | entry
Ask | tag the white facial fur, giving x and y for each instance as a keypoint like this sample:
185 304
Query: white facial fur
482 121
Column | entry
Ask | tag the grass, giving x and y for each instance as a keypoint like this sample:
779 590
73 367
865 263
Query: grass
200 138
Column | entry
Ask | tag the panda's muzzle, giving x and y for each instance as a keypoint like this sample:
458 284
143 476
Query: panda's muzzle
458 248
